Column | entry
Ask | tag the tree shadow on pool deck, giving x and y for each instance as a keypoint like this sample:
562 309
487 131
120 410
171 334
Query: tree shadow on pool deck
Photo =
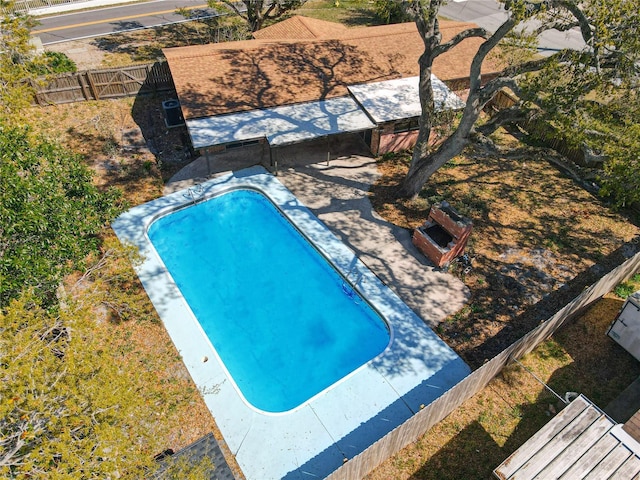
338 195
381 424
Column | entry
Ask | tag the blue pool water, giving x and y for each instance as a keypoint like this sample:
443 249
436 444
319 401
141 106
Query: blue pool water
279 316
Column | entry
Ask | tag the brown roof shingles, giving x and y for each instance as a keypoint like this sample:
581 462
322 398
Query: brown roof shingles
230 77
300 28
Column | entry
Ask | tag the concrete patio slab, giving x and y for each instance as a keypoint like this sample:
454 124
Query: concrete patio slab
337 193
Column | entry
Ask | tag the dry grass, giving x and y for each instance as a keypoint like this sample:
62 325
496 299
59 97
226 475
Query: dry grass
487 428
125 141
538 239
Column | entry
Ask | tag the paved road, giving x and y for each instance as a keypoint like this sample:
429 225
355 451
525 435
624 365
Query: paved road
486 13
489 14
62 28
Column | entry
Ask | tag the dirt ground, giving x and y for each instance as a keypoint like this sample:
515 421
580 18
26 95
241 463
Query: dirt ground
538 238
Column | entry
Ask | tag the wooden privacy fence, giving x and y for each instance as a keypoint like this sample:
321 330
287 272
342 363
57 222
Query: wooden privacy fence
421 422
103 84
540 129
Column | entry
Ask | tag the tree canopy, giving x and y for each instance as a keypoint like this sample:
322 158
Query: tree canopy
257 12
16 59
78 399
50 214
559 86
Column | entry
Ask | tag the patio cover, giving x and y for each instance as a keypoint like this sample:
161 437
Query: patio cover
399 99
281 125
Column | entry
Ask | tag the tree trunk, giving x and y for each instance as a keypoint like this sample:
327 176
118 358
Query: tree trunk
421 171
425 166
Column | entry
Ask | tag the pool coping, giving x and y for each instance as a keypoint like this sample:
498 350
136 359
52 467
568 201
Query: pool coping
315 439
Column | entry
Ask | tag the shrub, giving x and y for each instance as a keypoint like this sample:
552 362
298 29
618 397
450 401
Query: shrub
50 214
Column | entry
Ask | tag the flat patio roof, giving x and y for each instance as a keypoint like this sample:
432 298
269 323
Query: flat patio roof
281 125
399 99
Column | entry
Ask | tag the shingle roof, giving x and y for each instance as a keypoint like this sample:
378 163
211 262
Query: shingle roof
231 77
299 28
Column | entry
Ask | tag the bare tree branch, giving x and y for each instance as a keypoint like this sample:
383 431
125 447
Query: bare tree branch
470 33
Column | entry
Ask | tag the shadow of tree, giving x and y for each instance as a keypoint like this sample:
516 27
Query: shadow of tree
125 25
146 44
279 74
538 240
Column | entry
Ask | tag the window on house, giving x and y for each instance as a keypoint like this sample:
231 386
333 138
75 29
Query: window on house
406 125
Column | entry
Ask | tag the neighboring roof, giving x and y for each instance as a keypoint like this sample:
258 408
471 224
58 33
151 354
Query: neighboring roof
232 77
193 454
580 442
300 28
399 99
281 125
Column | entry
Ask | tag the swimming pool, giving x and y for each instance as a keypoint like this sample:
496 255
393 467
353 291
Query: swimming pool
285 324
313 439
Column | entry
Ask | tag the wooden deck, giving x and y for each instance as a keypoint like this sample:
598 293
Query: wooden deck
581 442
632 427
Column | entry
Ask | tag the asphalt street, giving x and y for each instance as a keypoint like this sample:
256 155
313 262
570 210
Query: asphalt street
103 21
488 14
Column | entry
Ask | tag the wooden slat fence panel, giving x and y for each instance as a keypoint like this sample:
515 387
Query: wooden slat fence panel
538 128
104 83
422 421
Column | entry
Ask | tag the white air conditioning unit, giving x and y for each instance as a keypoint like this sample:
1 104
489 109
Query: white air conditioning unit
625 329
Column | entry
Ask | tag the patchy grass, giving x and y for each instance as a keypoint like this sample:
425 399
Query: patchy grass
124 141
624 289
349 12
538 239
490 426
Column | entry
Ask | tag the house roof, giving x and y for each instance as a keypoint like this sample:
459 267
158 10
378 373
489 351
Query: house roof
231 77
580 442
399 99
299 28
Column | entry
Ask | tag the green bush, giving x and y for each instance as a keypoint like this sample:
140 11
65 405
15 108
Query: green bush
50 214
58 62
50 63
624 289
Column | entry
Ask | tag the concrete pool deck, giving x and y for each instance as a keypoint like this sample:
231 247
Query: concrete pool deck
315 438
337 194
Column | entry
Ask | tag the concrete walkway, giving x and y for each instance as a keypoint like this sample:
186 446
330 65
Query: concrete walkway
337 194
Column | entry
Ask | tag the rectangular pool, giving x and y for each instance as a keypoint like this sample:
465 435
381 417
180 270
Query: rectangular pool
229 287
269 303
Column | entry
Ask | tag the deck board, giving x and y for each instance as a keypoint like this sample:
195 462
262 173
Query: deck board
557 446
581 442
585 441
630 469
599 451
546 433
610 463
632 427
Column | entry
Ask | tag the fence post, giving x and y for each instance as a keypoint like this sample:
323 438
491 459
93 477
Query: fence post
83 85
37 92
93 86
